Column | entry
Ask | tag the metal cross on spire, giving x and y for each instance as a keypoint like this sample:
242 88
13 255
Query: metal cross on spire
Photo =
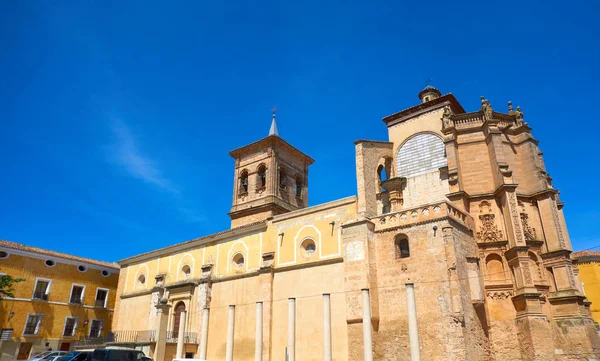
273 130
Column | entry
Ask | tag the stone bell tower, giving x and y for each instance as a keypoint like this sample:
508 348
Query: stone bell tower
271 178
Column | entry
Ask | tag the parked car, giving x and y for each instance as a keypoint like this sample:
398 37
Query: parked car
58 355
47 356
79 355
117 354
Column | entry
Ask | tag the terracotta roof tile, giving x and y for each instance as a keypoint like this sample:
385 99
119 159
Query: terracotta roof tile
193 240
581 254
22 247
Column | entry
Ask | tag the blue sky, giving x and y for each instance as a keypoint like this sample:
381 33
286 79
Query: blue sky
117 117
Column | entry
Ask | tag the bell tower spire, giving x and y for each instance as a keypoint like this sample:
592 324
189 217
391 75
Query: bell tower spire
271 178
273 130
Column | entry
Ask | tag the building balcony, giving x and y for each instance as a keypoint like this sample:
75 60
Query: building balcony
99 304
188 337
143 337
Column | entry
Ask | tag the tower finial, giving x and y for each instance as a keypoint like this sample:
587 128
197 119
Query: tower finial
273 130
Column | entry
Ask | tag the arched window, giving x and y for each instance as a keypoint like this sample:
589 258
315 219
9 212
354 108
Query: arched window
177 318
141 280
421 154
262 176
282 176
381 172
186 272
401 247
299 185
244 182
494 267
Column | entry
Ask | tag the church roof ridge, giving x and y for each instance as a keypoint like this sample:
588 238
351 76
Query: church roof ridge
432 103
192 242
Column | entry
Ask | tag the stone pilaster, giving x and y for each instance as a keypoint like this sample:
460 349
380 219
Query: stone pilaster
358 246
266 297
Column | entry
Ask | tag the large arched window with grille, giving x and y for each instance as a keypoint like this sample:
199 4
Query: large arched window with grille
421 154
262 176
177 318
244 182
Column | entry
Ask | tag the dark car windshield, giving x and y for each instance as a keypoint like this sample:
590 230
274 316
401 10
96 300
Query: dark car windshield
69 356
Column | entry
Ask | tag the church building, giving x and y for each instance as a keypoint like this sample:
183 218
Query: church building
454 248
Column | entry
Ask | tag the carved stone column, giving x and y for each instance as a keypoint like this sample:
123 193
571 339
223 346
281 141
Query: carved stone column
394 188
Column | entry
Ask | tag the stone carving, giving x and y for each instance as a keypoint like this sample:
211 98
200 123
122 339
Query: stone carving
528 231
488 231
499 295
446 121
484 207
526 273
510 108
559 230
516 218
382 220
571 276
519 116
486 108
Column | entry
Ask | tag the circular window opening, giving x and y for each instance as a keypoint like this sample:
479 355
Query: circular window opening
105 273
142 279
308 248
81 268
186 271
238 261
50 263
3 254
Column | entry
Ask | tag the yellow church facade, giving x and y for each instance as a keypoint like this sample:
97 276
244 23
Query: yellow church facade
455 247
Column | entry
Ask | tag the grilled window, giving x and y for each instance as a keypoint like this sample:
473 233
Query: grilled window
70 327
76 295
96 328
42 288
32 326
101 296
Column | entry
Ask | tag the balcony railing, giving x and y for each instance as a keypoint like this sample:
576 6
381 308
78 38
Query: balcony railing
30 330
40 295
135 337
76 301
100 303
188 337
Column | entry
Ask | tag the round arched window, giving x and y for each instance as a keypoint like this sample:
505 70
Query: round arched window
3 254
238 262
142 280
421 154
81 268
308 248
105 273
186 271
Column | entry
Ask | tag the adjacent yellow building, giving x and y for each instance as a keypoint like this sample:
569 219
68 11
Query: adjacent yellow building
63 299
589 274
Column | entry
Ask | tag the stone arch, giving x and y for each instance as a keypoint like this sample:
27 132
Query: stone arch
401 246
233 251
261 176
316 236
494 266
181 264
243 181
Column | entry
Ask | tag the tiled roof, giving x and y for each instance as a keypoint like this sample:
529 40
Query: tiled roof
22 247
581 254
204 238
